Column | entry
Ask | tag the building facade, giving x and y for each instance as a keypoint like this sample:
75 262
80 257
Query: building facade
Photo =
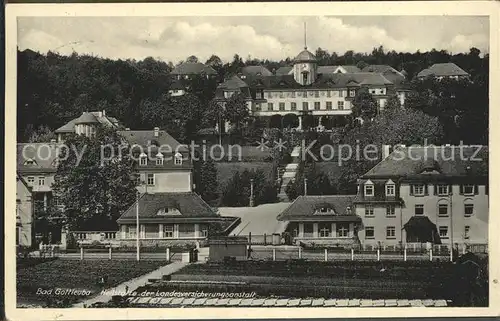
24 213
87 124
326 220
446 187
441 71
323 94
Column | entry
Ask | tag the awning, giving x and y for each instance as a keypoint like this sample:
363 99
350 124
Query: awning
421 229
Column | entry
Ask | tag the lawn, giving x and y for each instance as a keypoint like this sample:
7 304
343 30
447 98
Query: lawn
76 275
225 170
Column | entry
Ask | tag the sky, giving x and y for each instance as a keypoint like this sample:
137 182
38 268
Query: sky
272 37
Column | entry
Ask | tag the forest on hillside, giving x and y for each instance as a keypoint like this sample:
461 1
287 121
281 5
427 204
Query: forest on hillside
53 89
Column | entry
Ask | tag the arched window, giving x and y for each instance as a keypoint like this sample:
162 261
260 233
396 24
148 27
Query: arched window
442 207
143 159
468 207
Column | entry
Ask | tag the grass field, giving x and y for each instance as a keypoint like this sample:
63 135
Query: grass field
48 277
226 170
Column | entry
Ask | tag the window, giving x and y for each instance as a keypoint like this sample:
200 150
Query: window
369 190
257 107
292 94
443 209
293 106
317 105
390 232
258 95
466 232
282 106
419 209
390 210
316 94
168 230
342 230
325 229
29 162
418 189
159 159
328 105
178 159
352 93
282 94
31 180
341 93
151 179
305 105
204 232
468 189
328 93
442 189
390 190
270 106
369 232
468 209
369 210
443 232
41 181
143 161
340 105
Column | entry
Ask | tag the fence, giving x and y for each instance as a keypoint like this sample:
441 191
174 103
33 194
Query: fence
362 253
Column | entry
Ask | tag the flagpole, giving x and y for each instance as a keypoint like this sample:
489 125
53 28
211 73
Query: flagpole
137 225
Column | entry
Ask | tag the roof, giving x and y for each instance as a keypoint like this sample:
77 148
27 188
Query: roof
233 83
145 138
257 220
327 69
86 118
378 68
411 162
177 85
305 56
443 70
43 157
187 206
283 70
304 208
350 68
189 68
256 70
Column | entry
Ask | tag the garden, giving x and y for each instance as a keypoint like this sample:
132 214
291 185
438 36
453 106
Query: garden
340 280
60 283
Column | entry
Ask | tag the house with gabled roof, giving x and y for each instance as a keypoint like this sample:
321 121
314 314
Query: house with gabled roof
326 220
444 188
187 70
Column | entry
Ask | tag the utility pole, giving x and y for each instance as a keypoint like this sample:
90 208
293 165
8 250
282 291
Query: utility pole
137 225
451 223
251 192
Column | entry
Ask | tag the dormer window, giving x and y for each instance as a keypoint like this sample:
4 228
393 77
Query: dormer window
159 159
178 159
31 180
369 189
390 188
143 159
352 93
29 162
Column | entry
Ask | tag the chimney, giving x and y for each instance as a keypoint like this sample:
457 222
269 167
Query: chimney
103 112
157 131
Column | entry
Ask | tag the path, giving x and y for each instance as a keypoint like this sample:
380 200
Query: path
133 284
289 173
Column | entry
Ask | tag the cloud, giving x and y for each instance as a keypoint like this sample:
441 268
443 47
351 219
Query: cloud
176 38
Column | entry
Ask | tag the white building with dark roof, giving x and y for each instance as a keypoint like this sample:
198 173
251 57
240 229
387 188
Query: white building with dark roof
187 70
320 95
86 124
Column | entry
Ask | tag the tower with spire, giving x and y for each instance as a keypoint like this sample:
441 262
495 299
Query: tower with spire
305 68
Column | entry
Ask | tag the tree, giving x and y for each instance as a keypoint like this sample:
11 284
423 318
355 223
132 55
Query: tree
42 135
94 189
237 192
364 106
236 111
192 59
393 102
206 181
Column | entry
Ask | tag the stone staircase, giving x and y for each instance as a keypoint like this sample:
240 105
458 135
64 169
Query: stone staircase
288 173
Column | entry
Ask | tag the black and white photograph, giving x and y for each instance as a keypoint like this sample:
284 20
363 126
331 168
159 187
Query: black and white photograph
260 158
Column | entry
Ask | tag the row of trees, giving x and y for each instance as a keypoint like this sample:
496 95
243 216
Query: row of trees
53 89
